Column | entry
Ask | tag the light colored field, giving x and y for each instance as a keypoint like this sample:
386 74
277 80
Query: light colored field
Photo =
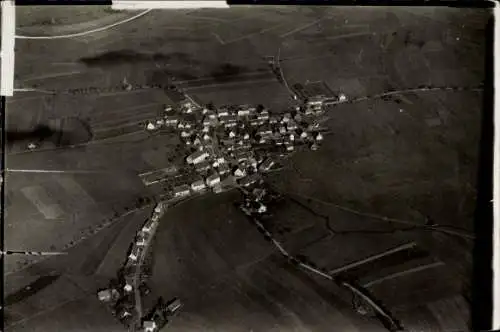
83 202
44 203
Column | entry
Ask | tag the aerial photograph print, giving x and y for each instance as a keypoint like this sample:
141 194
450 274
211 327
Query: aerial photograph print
246 169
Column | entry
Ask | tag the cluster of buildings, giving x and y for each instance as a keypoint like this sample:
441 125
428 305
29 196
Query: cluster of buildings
120 295
232 144
158 317
257 200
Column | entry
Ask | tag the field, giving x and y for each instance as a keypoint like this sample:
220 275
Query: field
229 277
37 295
411 157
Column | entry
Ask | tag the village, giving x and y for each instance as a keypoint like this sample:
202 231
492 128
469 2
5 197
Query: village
230 147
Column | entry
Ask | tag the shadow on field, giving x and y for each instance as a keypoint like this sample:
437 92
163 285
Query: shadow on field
224 72
115 58
71 131
30 289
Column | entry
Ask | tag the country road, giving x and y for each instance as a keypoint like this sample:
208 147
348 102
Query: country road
137 293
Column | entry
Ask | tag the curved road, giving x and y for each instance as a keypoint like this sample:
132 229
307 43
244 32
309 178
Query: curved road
84 33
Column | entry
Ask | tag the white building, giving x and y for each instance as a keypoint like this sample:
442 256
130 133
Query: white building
254 122
264 115
135 253
141 241
213 179
239 172
197 157
185 134
243 112
150 126
104 295
265 131
262 208
182 191
149 326
147 227
228 119
319 137
171 120
207 122
206 129
222 112
316 100
198 185
125 314
232 134
32 146
342 97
